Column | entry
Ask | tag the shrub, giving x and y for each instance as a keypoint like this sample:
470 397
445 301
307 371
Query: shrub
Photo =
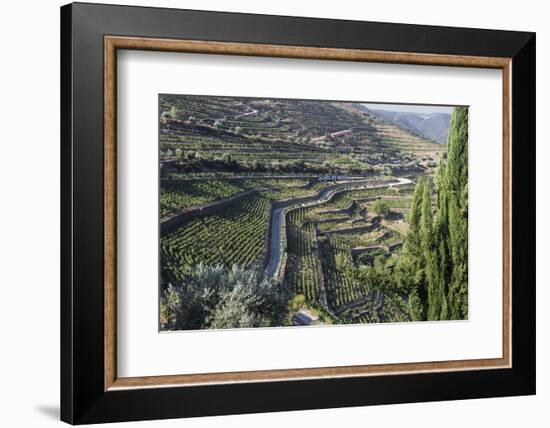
220 297
381 208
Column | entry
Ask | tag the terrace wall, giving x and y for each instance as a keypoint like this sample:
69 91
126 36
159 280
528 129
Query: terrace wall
234 177
298 201
352 229
177 219
186 126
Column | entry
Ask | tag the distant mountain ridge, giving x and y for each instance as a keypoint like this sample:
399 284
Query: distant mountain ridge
431 125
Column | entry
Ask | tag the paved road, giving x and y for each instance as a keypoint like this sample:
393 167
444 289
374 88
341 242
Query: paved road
275 247
253 177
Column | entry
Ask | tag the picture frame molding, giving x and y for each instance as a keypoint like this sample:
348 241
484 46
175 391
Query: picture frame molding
114 43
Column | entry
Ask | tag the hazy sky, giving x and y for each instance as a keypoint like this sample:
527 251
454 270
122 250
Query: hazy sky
410 108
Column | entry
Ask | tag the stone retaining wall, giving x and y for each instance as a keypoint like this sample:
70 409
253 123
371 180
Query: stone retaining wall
305 199
367 228
177 219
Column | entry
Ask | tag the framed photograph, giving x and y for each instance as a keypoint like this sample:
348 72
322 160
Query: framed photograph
266 213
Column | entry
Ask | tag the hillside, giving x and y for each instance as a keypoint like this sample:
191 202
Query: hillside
276 135
292 212
434 126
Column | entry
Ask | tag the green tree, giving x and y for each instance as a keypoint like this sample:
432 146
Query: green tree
433 269
381 208
410 269
416 307
219 297
456 200
429 253
441 237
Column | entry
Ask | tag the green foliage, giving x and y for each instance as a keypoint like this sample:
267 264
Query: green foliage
303 273
296 303
337 269
410 272
429 252
434 266
234 236
341 262
281 132
173 112
375 277
381 208
373 274
387 301
416 307
220 297
318 259
456 187
178 195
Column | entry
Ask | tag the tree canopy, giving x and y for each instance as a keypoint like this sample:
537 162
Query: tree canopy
219 297
434 266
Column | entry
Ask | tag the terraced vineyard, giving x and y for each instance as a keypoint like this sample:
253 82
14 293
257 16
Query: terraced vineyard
304 199
341 289
303 268
286 135
325 242
235 236
176 195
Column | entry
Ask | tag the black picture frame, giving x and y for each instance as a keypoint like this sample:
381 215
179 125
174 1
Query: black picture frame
83 398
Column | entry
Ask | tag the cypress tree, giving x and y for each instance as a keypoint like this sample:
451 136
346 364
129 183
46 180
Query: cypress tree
410 269
456 195
416 306
429 252
416 206
413 247
434 263
441 237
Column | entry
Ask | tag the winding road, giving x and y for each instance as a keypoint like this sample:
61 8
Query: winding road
277 218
